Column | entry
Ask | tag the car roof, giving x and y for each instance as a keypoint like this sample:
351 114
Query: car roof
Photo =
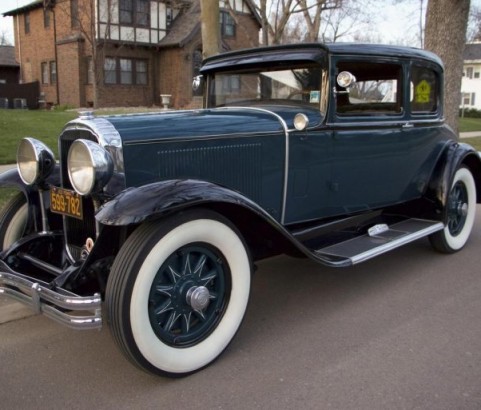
315 52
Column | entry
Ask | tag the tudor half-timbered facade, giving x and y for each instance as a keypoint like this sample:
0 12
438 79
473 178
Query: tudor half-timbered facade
121 52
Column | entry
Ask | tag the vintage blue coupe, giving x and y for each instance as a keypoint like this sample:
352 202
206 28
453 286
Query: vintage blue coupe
338 153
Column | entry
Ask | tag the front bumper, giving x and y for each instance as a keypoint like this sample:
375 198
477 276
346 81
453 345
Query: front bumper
67 308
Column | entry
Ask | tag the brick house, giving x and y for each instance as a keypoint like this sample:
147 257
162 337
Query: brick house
121 52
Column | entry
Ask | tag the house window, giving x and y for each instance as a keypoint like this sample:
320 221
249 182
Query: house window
476 74
110 72
90 70
468 99
46 18
142 15
141 72
135 12
227 24
126 71
53 72
27 22
469 72
44 73
74 16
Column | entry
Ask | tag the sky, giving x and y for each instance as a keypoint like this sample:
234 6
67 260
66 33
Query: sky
392 23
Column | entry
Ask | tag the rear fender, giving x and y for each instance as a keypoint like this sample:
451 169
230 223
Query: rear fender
454 156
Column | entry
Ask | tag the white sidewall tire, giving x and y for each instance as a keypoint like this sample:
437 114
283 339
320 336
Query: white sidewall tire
16 221
458 241
184 360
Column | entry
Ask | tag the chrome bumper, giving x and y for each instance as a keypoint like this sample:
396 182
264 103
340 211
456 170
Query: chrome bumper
53 304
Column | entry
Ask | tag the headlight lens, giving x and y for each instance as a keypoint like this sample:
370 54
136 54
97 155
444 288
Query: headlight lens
35 161
90 166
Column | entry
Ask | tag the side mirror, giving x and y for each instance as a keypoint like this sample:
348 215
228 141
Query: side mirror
197 82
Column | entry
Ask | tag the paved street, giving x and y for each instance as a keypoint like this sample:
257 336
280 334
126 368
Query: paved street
398 332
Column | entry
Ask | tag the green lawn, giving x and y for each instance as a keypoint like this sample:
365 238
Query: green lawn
43 125
469 124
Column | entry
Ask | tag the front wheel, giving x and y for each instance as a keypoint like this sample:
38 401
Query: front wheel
13 220
178 291
461 210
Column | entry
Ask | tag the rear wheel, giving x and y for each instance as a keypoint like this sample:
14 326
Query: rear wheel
178 291
461 210
13 220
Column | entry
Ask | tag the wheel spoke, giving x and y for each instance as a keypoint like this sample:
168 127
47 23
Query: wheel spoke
166 306
200 265
171 321
187 270
186 322
200 315
210 276
173 274
164 290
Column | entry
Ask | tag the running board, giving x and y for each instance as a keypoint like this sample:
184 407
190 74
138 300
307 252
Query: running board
381 239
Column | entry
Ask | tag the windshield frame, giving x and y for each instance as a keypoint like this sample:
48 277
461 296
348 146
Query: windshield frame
314 97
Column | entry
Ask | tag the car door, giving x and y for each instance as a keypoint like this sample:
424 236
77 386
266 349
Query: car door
379 154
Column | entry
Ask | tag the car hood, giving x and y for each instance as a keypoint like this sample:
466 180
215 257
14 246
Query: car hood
208 122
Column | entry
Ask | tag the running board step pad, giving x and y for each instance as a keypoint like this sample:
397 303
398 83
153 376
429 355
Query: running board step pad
366 247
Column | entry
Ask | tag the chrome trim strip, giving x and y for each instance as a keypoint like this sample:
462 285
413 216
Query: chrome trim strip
380 123
41 299
202 138
286 164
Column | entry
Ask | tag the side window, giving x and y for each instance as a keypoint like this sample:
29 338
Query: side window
376 91
424 90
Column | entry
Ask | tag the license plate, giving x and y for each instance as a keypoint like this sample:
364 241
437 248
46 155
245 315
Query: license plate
66 202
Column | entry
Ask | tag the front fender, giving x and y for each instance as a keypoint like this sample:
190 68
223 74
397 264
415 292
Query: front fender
139 204
11 178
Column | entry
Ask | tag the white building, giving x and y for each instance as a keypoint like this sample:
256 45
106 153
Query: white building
471 83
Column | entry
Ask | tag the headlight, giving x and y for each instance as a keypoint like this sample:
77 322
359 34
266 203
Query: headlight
35 161
90 166
301 122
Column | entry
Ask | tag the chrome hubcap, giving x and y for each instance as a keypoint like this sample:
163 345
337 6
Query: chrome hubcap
198 298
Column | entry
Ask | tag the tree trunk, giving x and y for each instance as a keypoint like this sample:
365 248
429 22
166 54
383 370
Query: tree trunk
210 27
445 35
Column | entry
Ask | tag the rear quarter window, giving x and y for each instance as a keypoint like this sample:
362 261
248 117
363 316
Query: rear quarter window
424 90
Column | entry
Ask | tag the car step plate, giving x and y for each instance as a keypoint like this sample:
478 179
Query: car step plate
366 247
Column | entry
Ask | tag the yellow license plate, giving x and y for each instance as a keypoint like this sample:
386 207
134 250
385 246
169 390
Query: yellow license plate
66 202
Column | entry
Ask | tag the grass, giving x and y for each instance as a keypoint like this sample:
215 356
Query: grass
43 125
17 124
469 124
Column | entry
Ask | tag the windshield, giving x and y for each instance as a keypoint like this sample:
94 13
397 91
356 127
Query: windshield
299 84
